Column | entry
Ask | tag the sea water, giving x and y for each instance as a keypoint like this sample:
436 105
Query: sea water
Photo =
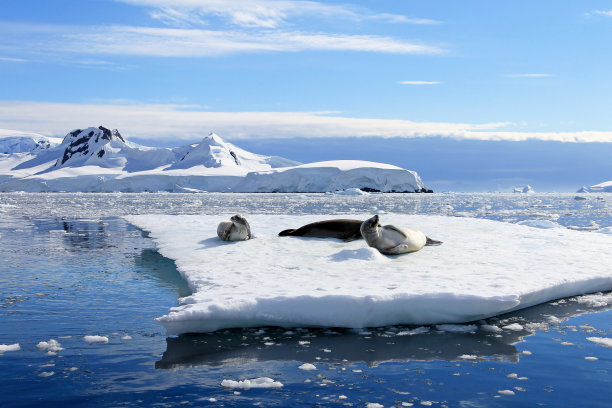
70 268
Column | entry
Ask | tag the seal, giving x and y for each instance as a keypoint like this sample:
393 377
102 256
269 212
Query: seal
391 240
348 230
237 229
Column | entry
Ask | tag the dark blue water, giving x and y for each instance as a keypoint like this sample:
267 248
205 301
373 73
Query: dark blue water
70 267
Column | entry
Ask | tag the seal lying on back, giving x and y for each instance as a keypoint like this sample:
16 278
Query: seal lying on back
391 240
347 230
237 229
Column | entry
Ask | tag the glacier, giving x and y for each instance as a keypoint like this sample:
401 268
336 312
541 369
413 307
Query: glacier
102 160
484 268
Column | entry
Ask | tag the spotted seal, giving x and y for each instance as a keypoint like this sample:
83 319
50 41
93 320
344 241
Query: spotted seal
237 229
391 240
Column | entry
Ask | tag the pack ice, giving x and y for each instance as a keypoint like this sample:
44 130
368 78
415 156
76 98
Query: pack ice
484 268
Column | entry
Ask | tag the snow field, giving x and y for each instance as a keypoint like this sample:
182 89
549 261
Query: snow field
483 268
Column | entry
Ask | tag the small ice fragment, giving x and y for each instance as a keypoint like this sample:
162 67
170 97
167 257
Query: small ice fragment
96 339
490 328
307 367
427 403
590 358
457 328
303 342
9 347
342 397
212 400
513 327
407 404
46 374
261 382
52 347
567 343
374 405
512 375
526 352
468 357
126 337
506 392
358 371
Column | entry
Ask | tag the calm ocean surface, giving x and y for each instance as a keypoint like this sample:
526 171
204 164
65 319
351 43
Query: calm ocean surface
70 267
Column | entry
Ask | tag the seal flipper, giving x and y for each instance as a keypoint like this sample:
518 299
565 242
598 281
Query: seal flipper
430 242
286 233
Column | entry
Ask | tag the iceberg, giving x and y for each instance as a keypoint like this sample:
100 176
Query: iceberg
483 269
605 187
102 160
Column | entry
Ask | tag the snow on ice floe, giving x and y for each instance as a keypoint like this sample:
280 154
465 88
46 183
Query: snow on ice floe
602 341
483 268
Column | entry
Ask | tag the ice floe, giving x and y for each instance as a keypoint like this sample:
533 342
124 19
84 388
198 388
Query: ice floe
484 268
261 382
9 347
95 339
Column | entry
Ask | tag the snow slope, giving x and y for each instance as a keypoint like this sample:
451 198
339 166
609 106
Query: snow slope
101 160
483 268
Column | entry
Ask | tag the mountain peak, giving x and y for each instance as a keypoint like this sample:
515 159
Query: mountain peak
88 144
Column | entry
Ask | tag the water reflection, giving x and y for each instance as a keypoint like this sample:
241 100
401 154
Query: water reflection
394 344
162 269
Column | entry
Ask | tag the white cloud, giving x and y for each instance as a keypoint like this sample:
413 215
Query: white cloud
607 13
262 13
180 42
8 59
528 75
182 123
419 82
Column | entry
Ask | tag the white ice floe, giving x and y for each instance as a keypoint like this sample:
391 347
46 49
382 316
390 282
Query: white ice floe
602 341
483 268
9 347
307 367
457 328
52 346
95 339
261 382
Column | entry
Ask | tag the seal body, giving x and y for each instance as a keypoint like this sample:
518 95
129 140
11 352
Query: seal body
236 229
391 240
348 230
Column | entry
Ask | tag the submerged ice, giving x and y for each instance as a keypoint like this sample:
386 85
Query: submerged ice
484 268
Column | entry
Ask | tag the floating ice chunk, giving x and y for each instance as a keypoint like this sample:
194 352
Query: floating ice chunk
374 405
418 330
261 382
52 346
513 327
596 299
468 357
352 192
505 392
126 337
307 367
9 347
591 358
457 328
602 341
46 374
96 339
490 328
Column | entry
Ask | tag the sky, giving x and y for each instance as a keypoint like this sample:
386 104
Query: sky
387 80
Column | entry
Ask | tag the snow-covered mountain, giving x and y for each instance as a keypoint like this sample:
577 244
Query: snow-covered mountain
102 160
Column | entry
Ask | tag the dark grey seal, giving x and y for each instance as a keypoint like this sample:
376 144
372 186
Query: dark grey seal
348 230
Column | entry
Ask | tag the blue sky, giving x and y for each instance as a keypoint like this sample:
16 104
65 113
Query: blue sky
167 72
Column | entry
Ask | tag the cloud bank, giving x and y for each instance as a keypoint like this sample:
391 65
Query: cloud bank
183 123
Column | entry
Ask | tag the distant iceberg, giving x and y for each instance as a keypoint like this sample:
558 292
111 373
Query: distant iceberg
102 160
605 187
